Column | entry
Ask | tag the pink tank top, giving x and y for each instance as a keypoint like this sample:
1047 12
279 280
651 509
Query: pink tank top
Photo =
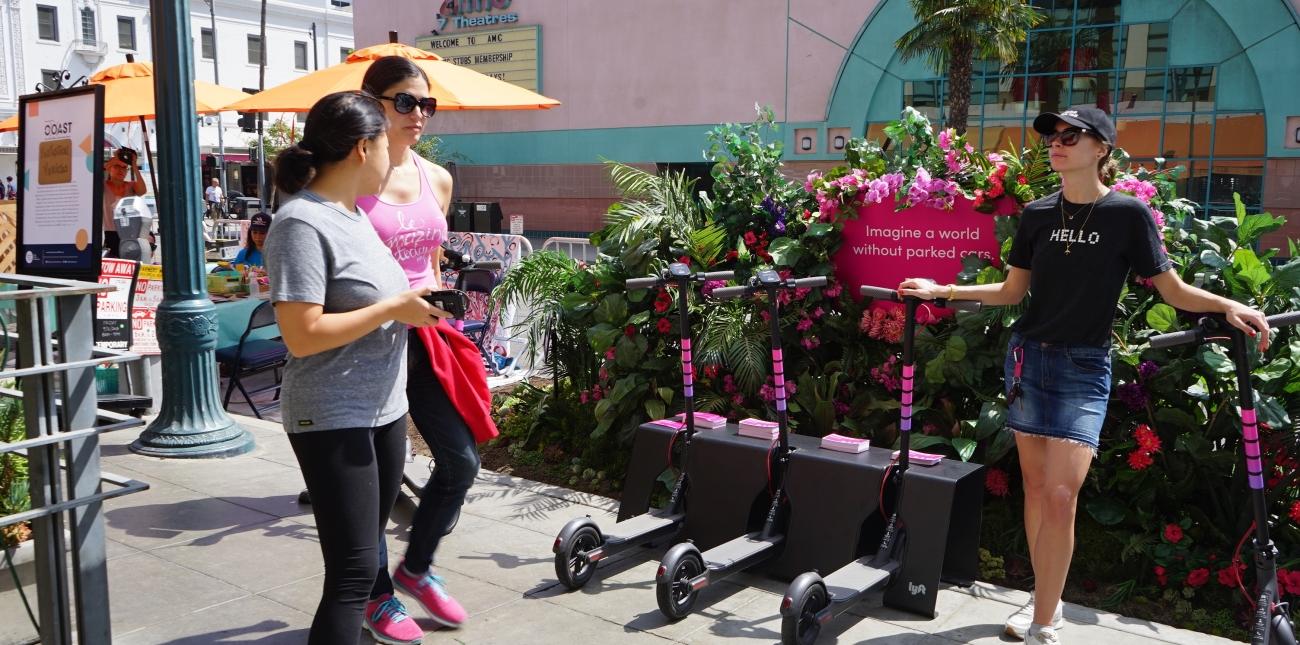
411 231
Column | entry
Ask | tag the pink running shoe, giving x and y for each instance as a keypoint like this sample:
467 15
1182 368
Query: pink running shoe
430 592
388 622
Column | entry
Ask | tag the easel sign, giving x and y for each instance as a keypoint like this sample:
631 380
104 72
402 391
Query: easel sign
61 177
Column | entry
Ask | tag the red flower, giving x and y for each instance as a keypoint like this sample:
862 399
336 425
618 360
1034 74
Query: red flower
1139 460
1021 180
710 371
1198 577
996 482
684 259
1173 533
1295 512
609 354
750 238
1288 582
1160 575
664 326
1147 439
996 190
1230 575
629 331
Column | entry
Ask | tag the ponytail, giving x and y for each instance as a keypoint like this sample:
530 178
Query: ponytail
335 125
1107 169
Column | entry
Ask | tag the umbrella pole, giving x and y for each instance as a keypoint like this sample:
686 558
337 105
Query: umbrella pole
148 152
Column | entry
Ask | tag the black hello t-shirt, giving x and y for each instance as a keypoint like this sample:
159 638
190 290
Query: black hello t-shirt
1074 295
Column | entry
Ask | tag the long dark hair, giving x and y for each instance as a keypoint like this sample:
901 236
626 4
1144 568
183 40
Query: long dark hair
388 71
334 126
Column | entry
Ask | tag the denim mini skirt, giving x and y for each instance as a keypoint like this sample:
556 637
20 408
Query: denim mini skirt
1063 393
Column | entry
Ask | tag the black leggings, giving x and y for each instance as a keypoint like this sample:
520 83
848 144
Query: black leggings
353 476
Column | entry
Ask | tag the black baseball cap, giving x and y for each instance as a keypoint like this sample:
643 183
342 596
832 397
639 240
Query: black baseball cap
259 221
1079 116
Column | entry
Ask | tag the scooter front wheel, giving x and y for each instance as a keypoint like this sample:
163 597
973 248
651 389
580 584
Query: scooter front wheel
1283 632
800 626
674 592
571 565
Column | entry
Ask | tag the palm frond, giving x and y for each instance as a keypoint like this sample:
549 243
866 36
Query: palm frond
738 341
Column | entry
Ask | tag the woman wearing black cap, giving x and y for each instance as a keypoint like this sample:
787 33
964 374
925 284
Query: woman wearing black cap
251 254
1074 250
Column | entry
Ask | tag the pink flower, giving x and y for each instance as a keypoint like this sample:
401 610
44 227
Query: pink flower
729 384
833 291
1159 217
994 157
810 342
804 324
738 399
818 313
609 354
945 138
1173 533
582 396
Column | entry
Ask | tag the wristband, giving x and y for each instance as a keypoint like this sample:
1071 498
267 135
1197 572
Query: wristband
952 292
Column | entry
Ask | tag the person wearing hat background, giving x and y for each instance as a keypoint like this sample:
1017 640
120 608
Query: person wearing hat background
251 254
116 188
1074 249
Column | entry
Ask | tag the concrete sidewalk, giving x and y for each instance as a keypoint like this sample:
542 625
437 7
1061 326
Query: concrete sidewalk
220 552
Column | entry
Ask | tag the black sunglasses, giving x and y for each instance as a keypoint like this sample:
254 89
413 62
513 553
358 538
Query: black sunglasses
1067 137
404 103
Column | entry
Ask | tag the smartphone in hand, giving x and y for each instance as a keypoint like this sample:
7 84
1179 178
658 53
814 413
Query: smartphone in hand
452 301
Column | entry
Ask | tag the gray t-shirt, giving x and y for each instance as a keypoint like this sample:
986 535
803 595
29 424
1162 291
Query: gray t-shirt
319 253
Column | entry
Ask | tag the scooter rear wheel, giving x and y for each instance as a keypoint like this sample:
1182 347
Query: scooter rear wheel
676 598
800 626
571 567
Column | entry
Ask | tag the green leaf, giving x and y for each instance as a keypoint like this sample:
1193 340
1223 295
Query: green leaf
1271 411
1003 442
622 388
626 353
1247 267
1274 370
1216 361
1175 417
1161 317
602 337
1287 277
1251 227
1105 510
820 229
602 409
923 441
612 309
654 408
666 393
965 447
785 251
955 350
993 418
1212 259
934 370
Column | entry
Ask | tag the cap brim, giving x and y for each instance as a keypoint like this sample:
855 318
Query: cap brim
1046 122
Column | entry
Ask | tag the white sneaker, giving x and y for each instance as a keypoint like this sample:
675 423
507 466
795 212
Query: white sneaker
1039 635
1019 622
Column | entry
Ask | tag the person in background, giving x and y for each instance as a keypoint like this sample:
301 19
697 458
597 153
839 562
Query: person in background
251 254
116 187
11 191
212 194
343 306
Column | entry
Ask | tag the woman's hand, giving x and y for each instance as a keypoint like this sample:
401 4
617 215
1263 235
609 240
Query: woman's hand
411 308
922 288
1251 321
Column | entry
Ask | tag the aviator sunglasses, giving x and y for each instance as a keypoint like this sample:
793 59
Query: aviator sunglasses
404 103
1068 136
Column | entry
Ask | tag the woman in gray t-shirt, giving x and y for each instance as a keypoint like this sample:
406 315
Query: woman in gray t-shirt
343 306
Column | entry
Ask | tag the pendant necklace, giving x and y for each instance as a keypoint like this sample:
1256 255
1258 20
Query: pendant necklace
1087 217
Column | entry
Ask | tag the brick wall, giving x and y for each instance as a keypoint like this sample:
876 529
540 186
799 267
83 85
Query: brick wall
1282 197
550 197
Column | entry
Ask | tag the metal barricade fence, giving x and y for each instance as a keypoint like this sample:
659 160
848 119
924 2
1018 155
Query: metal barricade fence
55 363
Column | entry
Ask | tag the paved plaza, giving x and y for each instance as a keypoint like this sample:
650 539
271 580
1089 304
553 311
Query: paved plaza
221 552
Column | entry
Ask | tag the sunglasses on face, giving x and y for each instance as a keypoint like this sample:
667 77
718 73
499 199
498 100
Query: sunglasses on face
1067 137
404 103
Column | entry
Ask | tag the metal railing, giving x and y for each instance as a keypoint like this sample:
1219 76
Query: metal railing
55 363
578 248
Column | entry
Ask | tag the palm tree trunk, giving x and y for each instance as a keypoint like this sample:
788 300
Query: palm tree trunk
959 73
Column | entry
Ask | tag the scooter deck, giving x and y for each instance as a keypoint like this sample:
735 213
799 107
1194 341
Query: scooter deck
857 577
729 554
642 524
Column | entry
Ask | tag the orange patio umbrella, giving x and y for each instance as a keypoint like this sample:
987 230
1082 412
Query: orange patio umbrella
455 87
128 94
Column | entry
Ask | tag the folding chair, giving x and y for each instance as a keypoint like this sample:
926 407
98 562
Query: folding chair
255 356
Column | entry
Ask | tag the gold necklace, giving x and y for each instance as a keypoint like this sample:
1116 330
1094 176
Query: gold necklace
1091 206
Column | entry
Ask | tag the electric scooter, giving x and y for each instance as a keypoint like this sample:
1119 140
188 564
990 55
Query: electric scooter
812 601
1272 622
684 571
581 543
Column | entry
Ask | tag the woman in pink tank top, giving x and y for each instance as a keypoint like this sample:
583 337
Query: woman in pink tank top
409 213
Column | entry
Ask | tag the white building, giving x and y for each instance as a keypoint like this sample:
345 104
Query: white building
41 38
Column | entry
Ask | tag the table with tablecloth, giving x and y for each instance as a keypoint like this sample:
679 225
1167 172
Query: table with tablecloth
232 320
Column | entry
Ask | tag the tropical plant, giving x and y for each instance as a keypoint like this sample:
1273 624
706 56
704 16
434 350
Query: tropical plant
950 33
14 486
431 147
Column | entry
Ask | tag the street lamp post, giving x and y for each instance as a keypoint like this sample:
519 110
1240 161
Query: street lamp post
191 422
